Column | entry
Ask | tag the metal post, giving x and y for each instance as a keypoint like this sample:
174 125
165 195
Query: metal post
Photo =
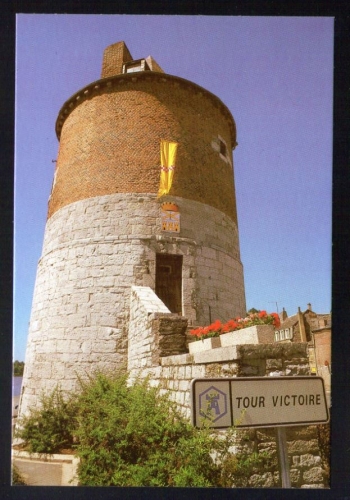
283 456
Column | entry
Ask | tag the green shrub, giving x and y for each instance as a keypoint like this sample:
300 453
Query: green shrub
238 468
17 479
133 436
136 437
49 428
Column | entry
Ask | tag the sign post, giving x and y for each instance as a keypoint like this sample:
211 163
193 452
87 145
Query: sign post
283 456
246 402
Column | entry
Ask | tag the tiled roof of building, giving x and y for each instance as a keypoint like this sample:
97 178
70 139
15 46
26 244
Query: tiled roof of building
291 321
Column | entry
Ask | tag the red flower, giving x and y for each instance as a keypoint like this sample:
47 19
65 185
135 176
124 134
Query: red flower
212 330
196 332
216 326
276 320
229 326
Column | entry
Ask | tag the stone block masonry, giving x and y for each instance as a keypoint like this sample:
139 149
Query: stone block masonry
94 250
151 324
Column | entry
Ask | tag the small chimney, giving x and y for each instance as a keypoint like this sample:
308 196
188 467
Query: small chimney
114 56
309 307
301 326
283 315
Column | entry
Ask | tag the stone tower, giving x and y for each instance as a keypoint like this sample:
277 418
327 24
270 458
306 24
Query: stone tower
107 230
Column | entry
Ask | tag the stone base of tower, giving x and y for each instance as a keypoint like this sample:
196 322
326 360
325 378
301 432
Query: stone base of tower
94 251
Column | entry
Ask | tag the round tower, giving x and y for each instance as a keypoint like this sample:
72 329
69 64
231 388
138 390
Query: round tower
107 229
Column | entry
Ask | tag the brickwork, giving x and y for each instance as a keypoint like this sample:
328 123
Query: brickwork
114 57
322 340
104 148
154 66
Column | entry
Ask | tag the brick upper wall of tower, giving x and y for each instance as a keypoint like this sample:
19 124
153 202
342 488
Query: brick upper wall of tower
110 135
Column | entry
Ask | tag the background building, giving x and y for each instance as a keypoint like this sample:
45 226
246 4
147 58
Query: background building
316 330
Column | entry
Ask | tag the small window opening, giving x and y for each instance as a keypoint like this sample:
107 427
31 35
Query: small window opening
136 66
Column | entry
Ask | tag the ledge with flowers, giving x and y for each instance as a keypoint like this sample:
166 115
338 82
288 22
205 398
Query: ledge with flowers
255 328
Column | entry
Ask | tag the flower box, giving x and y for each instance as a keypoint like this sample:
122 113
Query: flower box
204 345
257 334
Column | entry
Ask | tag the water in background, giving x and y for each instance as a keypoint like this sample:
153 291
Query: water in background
16 386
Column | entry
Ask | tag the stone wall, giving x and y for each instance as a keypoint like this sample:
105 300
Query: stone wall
94 250
306 467
151 324
173 375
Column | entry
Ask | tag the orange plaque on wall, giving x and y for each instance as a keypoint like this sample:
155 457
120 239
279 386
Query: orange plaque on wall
170 217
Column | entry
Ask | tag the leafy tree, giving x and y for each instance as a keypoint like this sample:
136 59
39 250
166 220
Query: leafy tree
18 368
253 311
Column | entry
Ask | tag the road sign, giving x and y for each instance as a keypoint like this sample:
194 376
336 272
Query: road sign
258 401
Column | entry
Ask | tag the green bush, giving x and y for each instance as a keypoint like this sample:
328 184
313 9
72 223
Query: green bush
133 436
238 468
17 479
136 437
49 428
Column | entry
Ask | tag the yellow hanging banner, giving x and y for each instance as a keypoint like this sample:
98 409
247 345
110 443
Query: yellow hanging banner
167 166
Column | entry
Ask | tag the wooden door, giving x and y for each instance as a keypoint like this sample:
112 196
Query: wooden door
169 281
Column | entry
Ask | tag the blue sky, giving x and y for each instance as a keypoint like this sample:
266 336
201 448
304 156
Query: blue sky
275 74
